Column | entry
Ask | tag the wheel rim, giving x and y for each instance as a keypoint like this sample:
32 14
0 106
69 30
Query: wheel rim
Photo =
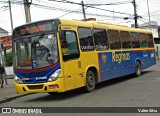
138 70
90 80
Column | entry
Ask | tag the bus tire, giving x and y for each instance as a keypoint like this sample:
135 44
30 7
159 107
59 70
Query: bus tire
90 81
138 69
52 93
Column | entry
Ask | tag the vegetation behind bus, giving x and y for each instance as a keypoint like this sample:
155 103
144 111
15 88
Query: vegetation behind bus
8 58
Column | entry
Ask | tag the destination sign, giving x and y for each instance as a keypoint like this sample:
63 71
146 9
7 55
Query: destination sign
35 28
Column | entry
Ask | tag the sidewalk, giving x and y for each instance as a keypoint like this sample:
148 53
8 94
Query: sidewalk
8 92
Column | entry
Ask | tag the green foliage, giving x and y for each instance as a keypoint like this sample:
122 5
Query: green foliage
8 58
159 31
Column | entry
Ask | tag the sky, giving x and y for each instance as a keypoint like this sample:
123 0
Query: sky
48 9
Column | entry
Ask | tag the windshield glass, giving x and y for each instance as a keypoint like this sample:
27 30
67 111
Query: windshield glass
35 52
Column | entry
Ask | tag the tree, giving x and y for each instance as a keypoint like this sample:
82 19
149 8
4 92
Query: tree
8 58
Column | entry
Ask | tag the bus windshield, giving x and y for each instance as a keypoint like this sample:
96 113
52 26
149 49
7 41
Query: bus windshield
35 51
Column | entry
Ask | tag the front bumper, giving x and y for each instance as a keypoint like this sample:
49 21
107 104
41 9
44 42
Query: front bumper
55 86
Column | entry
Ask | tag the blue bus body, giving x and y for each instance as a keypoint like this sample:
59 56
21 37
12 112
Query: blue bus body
120 63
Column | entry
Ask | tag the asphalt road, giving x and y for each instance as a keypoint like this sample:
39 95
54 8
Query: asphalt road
125 91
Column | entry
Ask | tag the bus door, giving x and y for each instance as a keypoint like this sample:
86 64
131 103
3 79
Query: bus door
71 59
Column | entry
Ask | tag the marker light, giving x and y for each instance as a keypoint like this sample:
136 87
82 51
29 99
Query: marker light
55 75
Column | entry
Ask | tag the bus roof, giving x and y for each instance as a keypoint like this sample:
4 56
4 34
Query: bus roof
91 24
103 25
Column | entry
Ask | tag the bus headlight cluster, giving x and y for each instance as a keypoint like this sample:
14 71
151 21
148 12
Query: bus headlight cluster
18 80
55 75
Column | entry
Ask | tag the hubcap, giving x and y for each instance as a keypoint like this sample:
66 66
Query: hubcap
138 70
90 80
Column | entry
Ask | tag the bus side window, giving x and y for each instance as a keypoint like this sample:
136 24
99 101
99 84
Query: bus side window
134 40
114 40
150 40
125 39
69 46
100 38
143 40
86 39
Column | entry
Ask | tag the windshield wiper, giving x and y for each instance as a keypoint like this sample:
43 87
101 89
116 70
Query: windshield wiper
41 36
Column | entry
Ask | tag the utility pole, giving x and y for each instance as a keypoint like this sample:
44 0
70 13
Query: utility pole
27 10
84 14
10 10
135 14
149 15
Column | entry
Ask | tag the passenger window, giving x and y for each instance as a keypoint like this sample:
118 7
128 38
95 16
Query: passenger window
86 39
100 38
114 39
150 40
143 40
125 39
69 46
134 40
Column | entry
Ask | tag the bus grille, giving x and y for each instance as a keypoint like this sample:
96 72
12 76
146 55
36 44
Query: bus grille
35 74
35 86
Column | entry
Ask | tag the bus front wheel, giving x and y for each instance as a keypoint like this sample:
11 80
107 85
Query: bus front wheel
90 81
138 71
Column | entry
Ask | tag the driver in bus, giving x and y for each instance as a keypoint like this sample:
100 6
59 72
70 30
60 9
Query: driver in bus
64 46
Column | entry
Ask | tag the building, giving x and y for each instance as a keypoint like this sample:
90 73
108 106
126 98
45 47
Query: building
6 42
5 39
3 32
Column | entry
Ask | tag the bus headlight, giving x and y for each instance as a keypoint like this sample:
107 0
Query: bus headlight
55 75
18 80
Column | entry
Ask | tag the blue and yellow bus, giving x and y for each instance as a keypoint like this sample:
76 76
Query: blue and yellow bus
60 55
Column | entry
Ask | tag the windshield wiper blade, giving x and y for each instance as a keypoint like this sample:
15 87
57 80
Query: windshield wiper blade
41 36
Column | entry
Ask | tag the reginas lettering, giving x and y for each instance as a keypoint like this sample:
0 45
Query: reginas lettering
119 57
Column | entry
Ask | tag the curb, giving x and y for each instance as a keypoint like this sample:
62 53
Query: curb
4 100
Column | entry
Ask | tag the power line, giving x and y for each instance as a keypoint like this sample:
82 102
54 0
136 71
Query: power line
53 8
108 10
55 4
67 13
143 21
116 3
67 10
88 5
71 11
67 1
